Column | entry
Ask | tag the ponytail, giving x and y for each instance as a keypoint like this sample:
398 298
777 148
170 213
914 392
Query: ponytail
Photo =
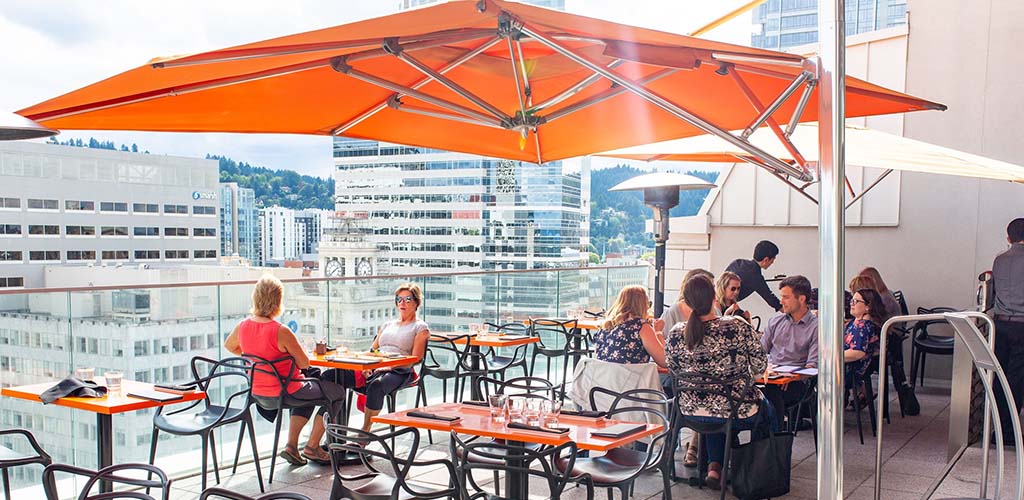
699 294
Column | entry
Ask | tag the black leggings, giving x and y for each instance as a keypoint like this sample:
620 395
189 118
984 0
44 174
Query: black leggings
377 386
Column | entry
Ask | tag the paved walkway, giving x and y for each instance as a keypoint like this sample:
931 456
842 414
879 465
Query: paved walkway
914 454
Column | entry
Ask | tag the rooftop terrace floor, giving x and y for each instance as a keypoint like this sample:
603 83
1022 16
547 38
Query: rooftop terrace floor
914 454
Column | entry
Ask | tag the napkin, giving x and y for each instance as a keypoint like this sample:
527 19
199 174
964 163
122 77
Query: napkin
431 416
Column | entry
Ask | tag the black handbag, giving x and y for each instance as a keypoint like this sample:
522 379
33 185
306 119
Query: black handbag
761 468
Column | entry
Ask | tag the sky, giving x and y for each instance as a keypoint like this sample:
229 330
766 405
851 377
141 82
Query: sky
54 48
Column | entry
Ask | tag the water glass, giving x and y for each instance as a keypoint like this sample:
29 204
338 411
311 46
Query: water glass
532 411
85 373
516 406
113 379
549 411
497 403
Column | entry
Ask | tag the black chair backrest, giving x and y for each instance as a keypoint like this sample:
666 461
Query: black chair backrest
517 386
553 333
113 474
702 383
267 367
632 397
226 382
452 349
514 328
215 492
902 301
921 327
496 456
368 445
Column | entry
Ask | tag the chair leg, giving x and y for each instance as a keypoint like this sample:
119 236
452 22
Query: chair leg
666 482
913 365
206 451
238 447
213 452
7 485
724 475
255 453
869 395
152 453
923 358
277 437
856 408
497 485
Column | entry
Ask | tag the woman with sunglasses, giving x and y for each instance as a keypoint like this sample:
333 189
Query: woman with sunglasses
860 342
407 336
727 290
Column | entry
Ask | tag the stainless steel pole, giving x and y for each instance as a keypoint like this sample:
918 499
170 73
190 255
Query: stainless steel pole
831 244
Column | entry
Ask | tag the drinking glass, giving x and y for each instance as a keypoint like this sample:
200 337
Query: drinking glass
516 405
497 404
85 373
549 411
113 379
532 411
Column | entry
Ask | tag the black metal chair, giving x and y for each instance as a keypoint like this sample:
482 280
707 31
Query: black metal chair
391 483
869 396
12 458
498 364
692 382
211 493
217 379
504 457
558 339
268 367
112 475
925 343
456 364
620 467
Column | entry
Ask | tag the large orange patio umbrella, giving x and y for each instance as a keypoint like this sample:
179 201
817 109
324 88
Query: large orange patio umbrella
488 77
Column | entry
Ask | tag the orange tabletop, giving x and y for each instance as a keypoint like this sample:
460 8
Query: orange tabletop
784 379
107 405
476 421
378 361
490 339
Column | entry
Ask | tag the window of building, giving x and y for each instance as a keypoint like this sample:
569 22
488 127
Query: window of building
179 372
79 205
44 229
12 281
179 344
10 255
39 204
175 254
115 255
10 229
204 254
147 254
141 348
195 342
113 206
176 209
142 375
10 202
204 232
81 255
147 231
114 231
202 210
50 255
161 375
145 208
176 231
80 230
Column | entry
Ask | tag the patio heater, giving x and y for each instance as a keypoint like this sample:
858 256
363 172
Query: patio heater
14 127
661 193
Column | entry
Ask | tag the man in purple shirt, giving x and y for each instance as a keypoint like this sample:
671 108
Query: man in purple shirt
791 338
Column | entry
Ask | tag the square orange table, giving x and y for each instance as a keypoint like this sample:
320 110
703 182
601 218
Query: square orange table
476 421
104 408
374 361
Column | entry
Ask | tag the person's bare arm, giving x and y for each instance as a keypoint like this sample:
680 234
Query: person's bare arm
419 344
851 355
651 344
232 344
289 343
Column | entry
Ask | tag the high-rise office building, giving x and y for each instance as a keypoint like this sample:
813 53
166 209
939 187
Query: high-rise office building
287 234
239 222
62 205
788 23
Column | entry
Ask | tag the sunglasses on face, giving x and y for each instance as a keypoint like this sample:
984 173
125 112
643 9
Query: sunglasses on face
733 288
407 299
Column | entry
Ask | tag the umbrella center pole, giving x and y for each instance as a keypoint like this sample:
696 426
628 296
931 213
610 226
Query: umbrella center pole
661 221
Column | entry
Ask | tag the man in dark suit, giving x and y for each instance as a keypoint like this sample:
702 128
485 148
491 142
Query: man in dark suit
749 271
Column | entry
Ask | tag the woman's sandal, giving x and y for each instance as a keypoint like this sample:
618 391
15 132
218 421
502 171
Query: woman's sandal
714 478
291 455
316 455
690 459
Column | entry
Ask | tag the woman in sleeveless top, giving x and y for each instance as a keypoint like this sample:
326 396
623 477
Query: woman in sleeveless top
260 335
627 336
406 335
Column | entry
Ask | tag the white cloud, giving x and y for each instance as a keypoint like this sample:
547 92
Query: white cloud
54 48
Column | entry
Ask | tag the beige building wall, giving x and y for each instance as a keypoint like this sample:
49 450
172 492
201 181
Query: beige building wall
928 235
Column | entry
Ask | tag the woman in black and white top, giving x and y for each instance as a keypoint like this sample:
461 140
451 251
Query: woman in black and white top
706 341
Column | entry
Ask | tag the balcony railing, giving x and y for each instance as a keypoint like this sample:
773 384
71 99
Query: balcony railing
151 332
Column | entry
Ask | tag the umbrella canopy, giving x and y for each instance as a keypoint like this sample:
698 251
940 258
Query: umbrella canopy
864 147
486 77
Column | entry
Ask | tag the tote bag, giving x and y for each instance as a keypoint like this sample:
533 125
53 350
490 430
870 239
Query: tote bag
761 468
